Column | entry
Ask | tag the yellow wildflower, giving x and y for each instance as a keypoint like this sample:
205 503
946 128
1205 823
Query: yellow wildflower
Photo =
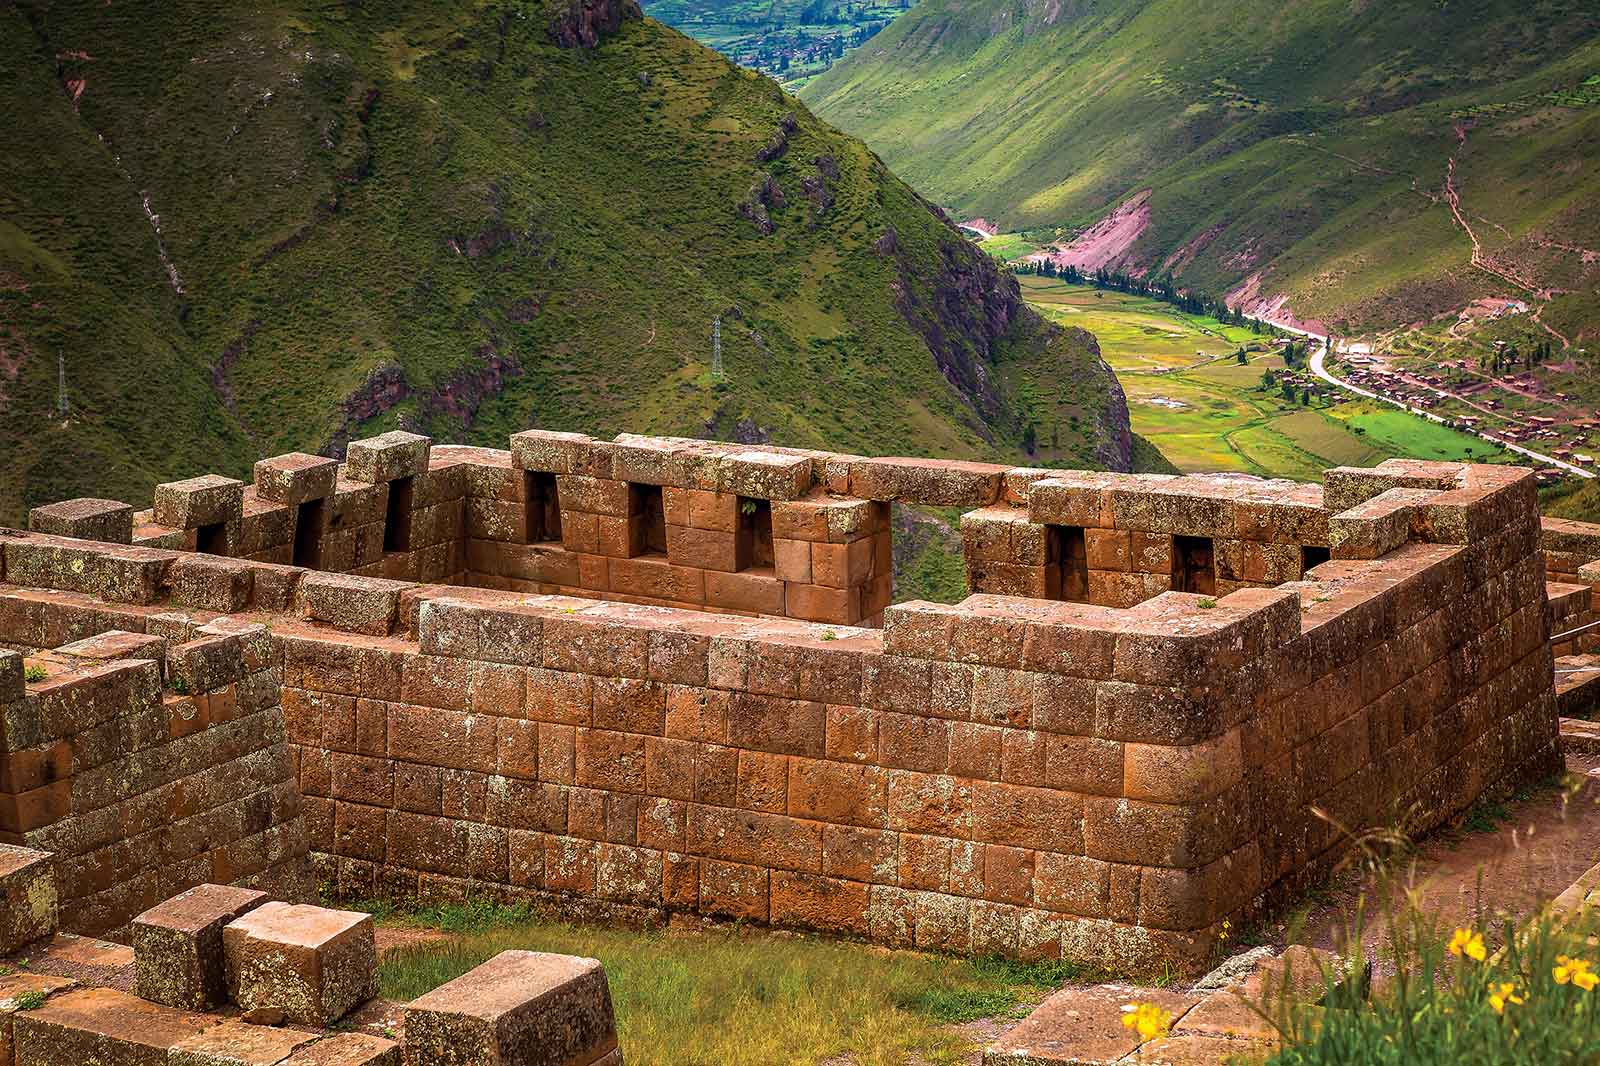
1149 1019
1227 927
1504 993
1468 943
1577 971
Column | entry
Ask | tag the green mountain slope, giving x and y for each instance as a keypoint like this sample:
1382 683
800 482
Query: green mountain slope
1293 150
228 231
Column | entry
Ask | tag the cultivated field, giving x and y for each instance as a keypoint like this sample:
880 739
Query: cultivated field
1189 395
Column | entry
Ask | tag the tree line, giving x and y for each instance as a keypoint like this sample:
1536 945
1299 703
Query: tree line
1188 301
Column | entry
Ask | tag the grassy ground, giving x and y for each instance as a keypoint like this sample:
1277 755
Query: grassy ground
1008 246
742 997
1205 411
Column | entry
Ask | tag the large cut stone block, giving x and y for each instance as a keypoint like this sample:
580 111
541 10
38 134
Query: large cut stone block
521 1008
103 1027
314 964
85 519
19 991
237 1043
177 945
198 501
295 478
347 1049
28 884
355 604
391 455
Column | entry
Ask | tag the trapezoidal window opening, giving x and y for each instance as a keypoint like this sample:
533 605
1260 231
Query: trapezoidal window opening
752 544
544 507
212 539
1313 555
1067 560
647 520
1194 567
397 517
308 535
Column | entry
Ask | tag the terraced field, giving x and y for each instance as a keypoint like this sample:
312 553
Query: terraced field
1188 394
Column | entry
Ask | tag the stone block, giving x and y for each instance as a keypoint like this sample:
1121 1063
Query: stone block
237 1043
177 946
347 1049
28 881
13 683
387 457
931 482
96 1026
1375 527
550 452
765 475
525 1008
210 583
355 604
1081 1027
296 478
314 964
111 572
85 519
198 501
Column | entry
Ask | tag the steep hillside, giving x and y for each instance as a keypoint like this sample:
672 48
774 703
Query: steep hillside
1298 152
229 231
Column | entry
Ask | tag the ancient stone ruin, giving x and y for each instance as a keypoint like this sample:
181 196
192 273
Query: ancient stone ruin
658 676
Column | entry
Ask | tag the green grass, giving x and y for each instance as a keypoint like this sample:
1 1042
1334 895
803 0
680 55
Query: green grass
1225 421
422 214
743 997
1440 1007
1406 434
1298 142
1008 246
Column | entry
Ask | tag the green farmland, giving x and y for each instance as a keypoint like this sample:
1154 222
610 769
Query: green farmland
1188 394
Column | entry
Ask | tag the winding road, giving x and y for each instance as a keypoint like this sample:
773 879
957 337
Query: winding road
1321 372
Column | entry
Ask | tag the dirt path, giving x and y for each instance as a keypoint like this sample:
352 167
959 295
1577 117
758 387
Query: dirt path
1544 843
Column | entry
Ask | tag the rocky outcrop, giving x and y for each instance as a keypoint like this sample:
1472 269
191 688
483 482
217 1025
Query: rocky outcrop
779 142
585 23
816 188
961 311
764 196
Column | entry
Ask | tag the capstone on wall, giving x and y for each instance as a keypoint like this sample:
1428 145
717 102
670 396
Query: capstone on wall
1017 773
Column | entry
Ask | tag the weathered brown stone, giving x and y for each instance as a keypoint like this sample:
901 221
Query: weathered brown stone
28 884
387 457
102 1025
207 500
522 1007
314 963
296 478
236 1043
85 519
178 946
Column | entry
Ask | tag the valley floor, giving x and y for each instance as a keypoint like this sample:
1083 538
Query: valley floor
1191 397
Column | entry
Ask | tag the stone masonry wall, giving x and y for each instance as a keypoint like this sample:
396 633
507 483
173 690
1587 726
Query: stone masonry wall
1572 563
147 761
1119 539
1012 775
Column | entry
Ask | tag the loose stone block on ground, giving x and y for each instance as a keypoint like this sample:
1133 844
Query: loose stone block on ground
313 963
178 945
521 1008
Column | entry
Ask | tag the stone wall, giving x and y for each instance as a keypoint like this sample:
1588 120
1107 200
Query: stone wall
1572 562
1016 775
147 761
1119 539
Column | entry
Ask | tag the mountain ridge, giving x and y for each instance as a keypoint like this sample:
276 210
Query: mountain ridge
233 232
1297 150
